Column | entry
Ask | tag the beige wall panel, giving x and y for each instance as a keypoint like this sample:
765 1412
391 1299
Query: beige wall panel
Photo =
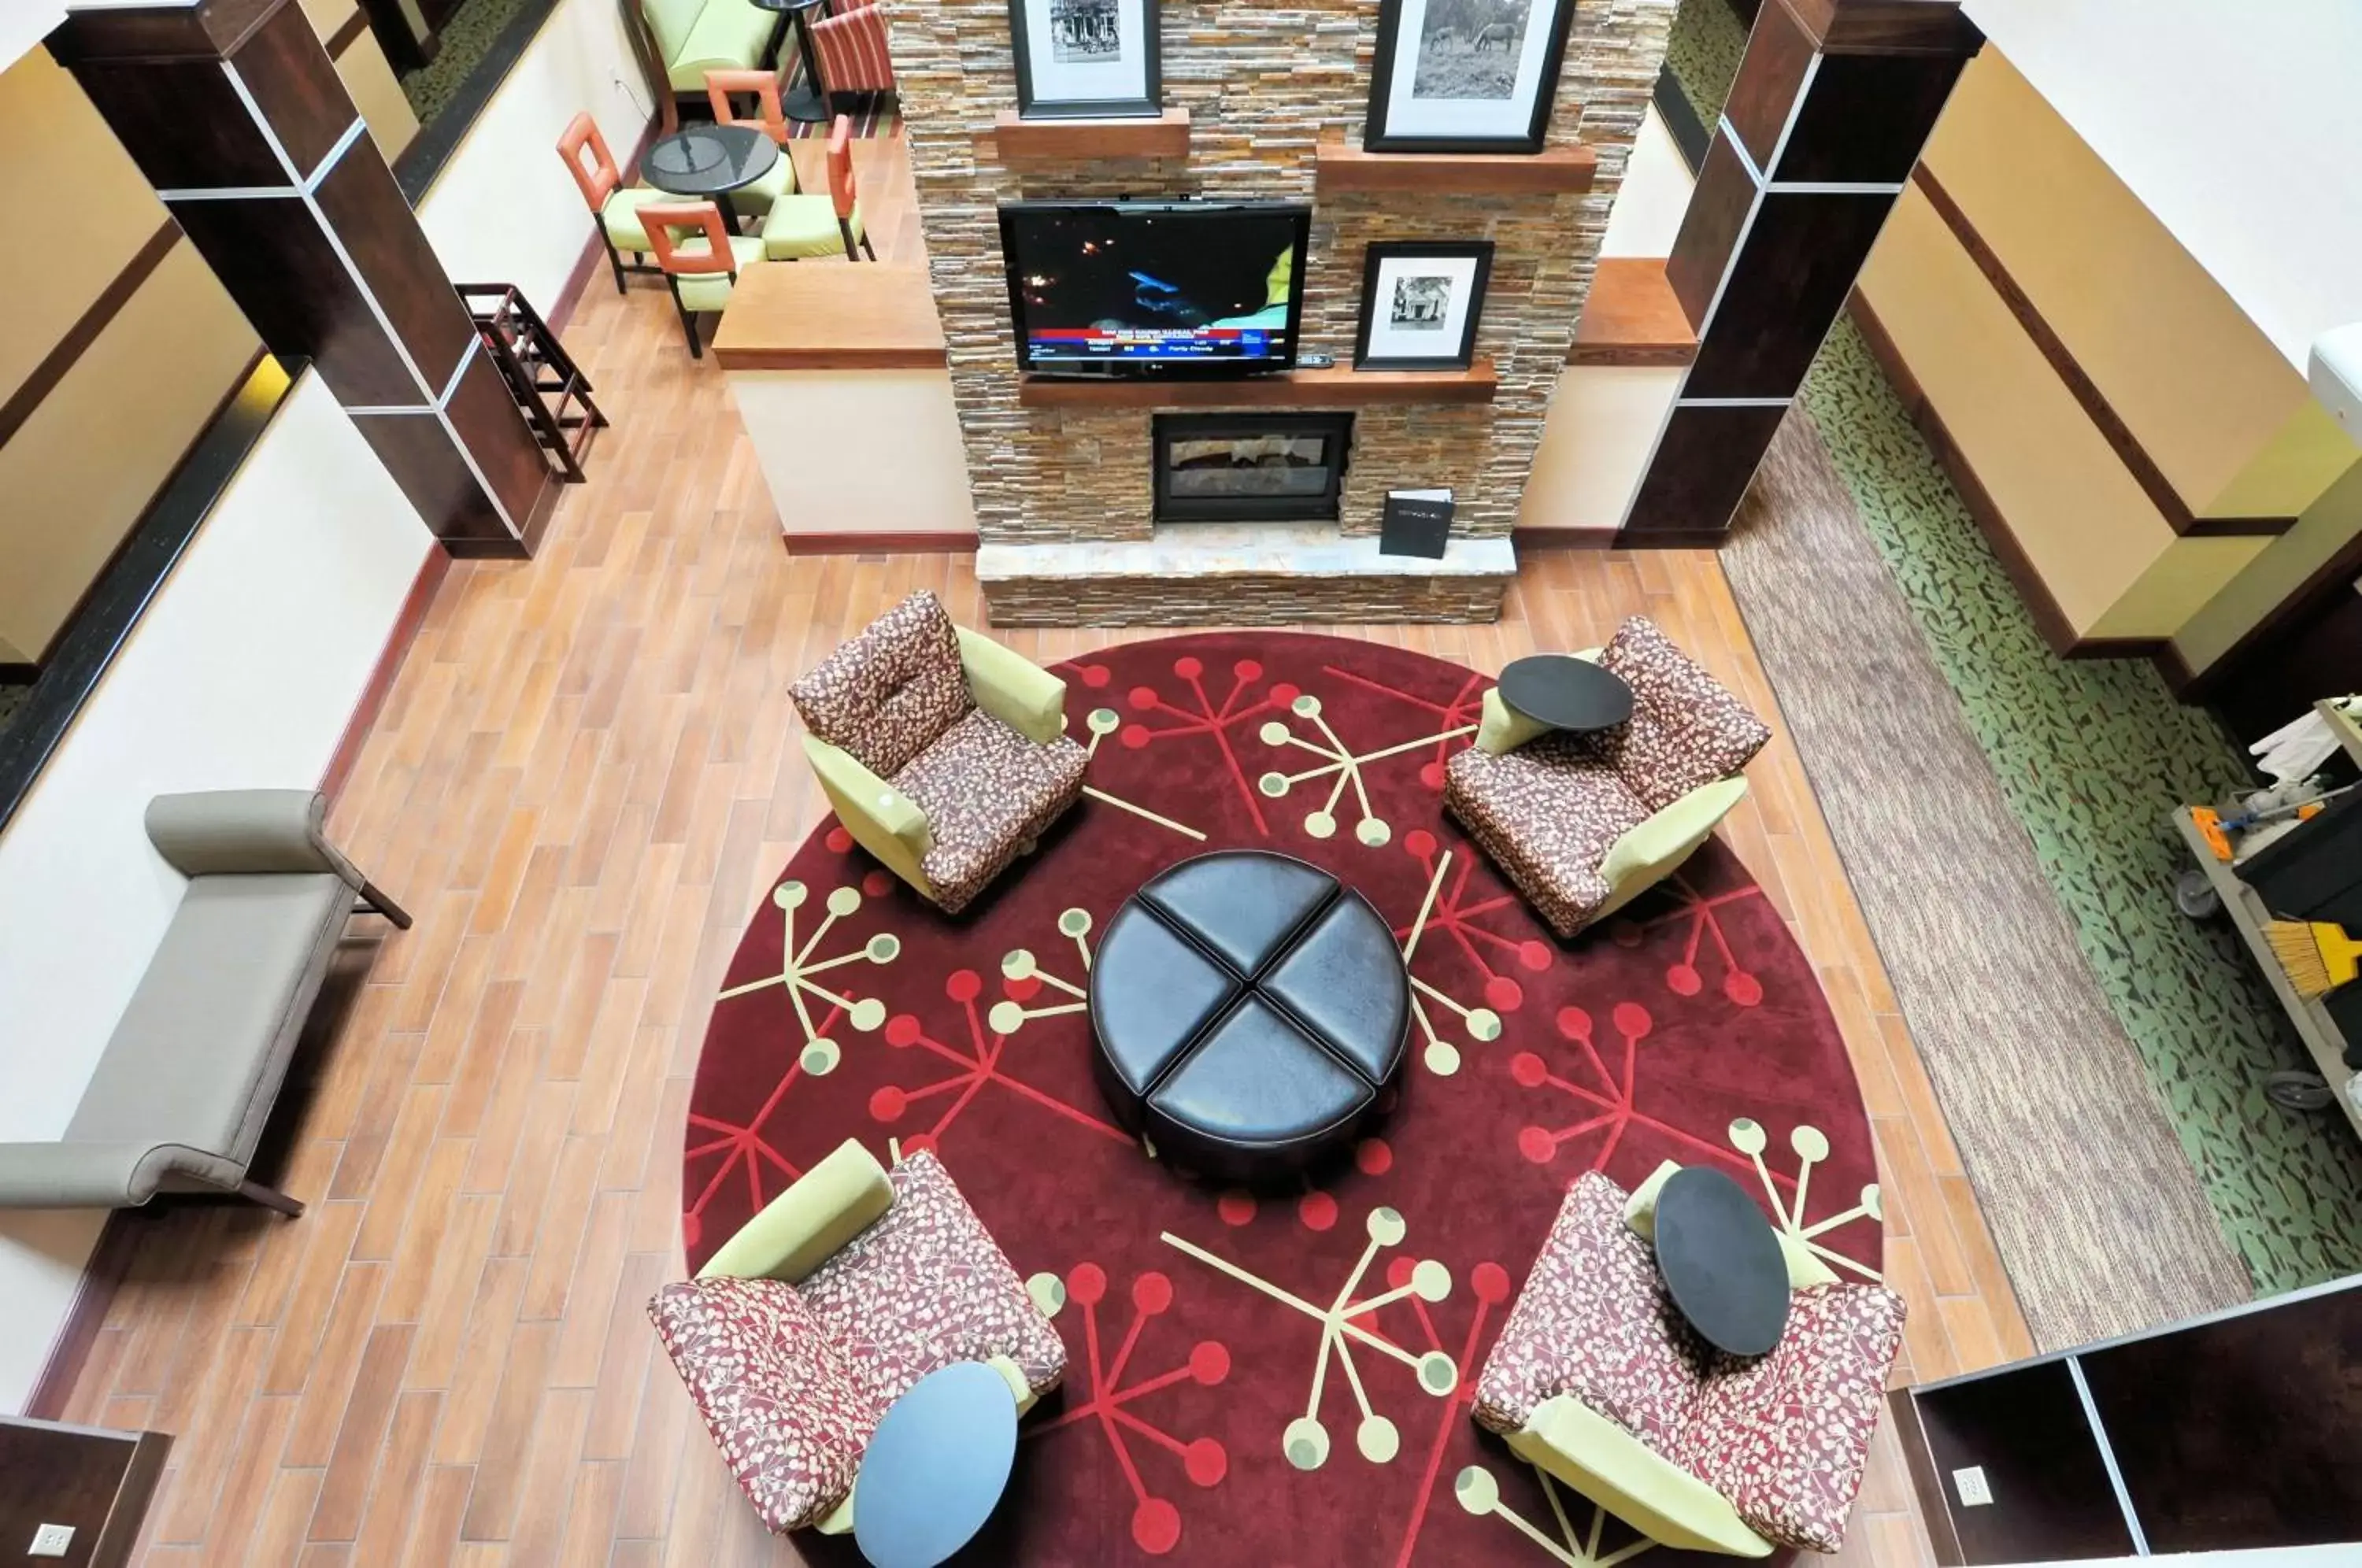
1603 425
2076 513
83 469
327 15
858 452
2201 386
2326 527
11 654
378 96
56 152
2178 584
2303 460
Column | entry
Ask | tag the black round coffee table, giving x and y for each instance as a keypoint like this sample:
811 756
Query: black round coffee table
1566 692
1721 1261
711 162
1248 1010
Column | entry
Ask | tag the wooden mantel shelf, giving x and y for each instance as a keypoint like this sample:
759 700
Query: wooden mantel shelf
1336 388
1552 171
1016 141
1632 318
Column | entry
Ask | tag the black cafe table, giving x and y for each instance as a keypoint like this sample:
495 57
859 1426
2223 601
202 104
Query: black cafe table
1566 692
708 162
1721 1261
808 99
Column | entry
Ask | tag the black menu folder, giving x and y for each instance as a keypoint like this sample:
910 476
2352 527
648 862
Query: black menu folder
1415 523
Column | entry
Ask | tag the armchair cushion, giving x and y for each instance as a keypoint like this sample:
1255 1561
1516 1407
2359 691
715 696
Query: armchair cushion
1785 1436
1632 1481
842 1195
886 695
927 1285
728 35
1594 1321
213 833
621 215
1686 728
987 792
1547 813
789 1418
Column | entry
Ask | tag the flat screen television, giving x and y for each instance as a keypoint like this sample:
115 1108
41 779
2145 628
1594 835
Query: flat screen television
1205 289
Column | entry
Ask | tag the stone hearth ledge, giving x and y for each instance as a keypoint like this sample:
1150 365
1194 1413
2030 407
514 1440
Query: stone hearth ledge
1241 574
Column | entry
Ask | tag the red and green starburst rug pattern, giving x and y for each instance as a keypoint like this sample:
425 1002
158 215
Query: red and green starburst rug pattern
1279 1377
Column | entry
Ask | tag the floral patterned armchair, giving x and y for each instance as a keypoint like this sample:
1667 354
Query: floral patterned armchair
1598 1379
807 1325
944 754
1583 824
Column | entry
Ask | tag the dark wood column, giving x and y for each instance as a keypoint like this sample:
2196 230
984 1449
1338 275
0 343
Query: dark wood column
1833 101
234 112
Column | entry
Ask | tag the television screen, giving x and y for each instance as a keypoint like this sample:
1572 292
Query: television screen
1156 288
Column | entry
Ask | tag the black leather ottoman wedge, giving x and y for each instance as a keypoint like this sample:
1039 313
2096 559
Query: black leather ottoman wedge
1248 1010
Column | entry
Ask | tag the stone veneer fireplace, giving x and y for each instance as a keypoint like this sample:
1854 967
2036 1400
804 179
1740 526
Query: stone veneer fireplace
1065 503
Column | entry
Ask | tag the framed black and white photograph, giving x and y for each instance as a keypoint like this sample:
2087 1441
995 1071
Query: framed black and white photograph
1085 59
1420 301
1465 75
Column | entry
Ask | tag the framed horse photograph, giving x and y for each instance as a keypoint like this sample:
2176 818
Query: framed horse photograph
1085 59
1465 75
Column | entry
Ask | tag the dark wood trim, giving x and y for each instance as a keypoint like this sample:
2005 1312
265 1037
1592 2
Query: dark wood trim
132 1500
347 32
944 542
43 379
1554 171
1886 27
2334 576
1013 140
1562 538
2087 394
1669 539
1689 132
2179 675
2048 618
1935 1508
15 673
1335 388
110 1260
406 622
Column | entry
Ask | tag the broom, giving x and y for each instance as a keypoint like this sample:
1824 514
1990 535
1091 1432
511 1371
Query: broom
2318 954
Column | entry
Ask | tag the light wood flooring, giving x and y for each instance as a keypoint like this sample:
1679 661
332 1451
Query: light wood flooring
580 783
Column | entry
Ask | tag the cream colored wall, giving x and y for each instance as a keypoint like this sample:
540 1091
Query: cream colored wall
2178 584
2076 514
2325 528
1602 426
82 468
62 174
377 95
79 472
858 452
2200 387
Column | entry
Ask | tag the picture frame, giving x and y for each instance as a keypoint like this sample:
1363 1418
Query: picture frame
1465 75
1421 300
1080 60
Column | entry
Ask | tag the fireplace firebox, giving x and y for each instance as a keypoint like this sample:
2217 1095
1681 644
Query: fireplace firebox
1250 467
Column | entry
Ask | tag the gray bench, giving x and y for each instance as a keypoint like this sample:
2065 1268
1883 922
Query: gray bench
189 1075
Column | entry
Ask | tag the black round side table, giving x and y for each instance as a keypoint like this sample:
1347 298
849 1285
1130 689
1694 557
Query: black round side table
1721 1261
1248 1010
1566 692
708 162
808 99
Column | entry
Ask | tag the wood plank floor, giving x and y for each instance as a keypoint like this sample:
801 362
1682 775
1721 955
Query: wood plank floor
580 783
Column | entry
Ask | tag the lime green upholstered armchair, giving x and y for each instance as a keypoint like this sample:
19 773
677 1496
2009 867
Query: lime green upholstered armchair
802 1330
1584 823
1596 1379
690 38
944 754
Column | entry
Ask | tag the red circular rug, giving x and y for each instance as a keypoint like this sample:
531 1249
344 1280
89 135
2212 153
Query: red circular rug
1209 1413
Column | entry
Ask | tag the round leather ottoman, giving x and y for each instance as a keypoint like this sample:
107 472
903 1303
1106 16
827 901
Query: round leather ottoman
1248 1010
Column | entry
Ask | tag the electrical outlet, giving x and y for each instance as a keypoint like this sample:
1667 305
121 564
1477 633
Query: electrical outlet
51 1540
1974 1490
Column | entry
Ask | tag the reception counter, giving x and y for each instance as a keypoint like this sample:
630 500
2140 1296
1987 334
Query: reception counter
840 377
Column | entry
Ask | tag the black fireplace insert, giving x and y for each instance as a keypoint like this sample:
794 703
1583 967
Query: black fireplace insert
1250 467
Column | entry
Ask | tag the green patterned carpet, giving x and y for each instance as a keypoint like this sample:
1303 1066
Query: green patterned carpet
1703 52
2092 756
467 37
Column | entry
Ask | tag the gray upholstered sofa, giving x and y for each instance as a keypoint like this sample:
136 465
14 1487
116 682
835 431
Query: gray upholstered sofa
179 1097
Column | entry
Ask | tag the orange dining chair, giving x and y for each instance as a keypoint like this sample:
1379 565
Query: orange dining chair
851 51
721 89
701 271
804 226
615 206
